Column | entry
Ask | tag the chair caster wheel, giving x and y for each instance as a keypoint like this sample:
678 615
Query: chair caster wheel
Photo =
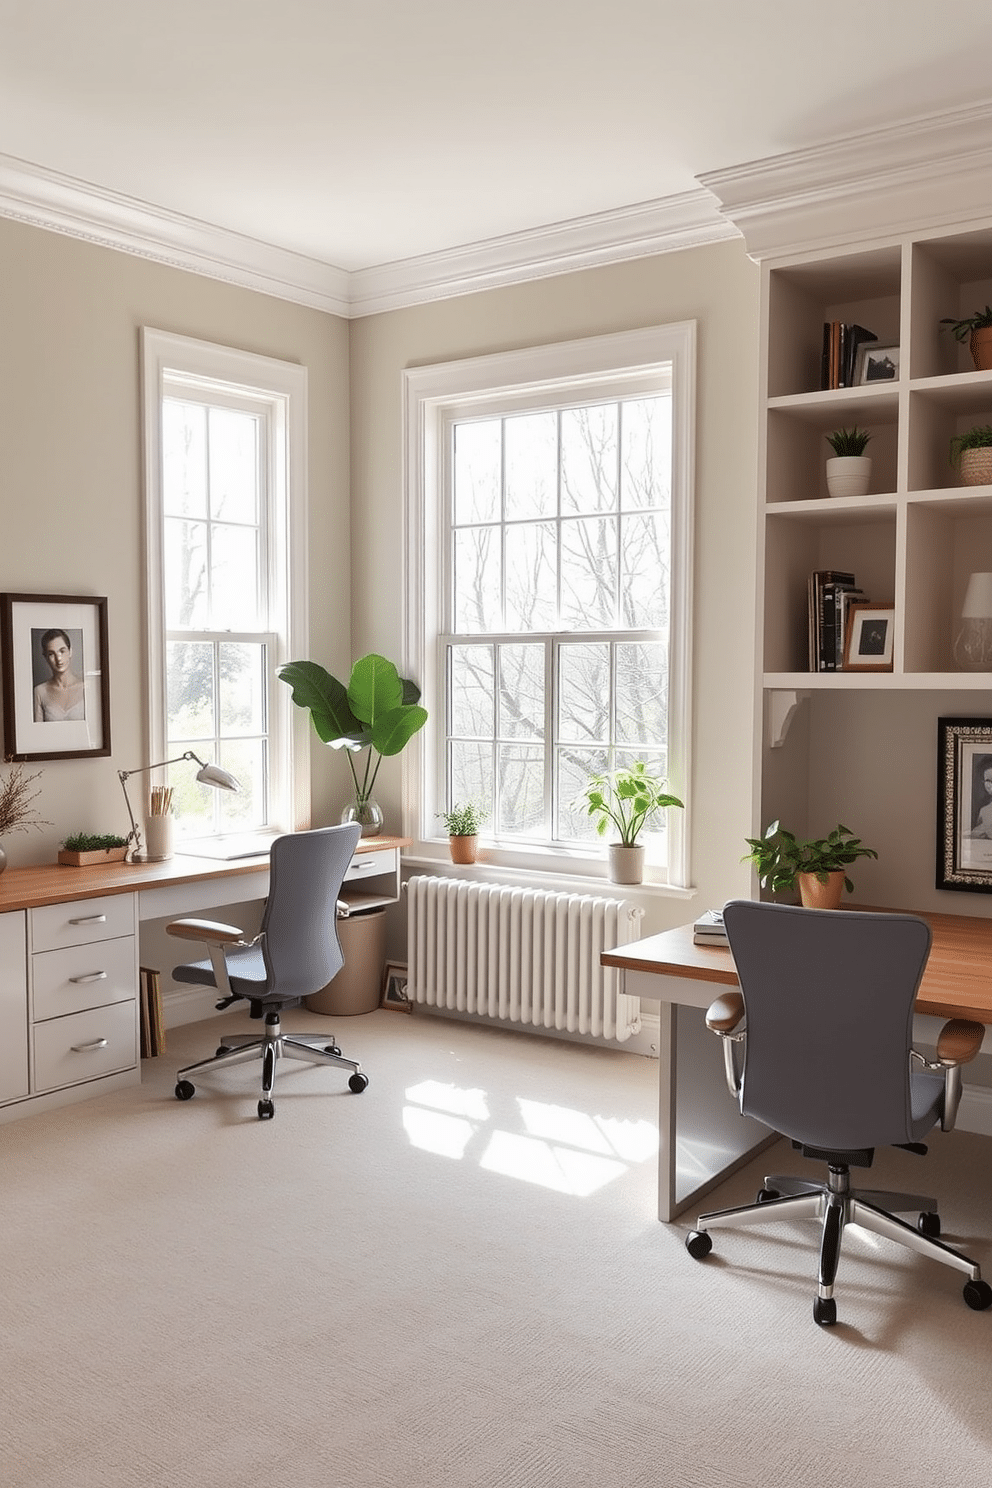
699 1244
929 1225
825 1312
185 1090
266 1110
221 1049
334 1049
978 1294
765 1195
358 1082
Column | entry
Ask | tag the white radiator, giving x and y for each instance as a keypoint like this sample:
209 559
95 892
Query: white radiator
520 955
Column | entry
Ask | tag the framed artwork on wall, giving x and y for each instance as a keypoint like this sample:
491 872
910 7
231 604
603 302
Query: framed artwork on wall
964 804
56 676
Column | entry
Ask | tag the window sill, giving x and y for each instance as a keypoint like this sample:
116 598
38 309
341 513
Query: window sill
551 870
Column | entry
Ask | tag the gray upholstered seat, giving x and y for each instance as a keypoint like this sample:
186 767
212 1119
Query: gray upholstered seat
824 1020
296 953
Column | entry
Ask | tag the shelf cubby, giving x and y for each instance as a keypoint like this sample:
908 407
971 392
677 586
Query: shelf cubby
950 277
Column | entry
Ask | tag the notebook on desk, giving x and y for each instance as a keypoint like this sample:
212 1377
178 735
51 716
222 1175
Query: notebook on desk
229 848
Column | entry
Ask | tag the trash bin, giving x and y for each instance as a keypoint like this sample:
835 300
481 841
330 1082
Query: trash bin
357 985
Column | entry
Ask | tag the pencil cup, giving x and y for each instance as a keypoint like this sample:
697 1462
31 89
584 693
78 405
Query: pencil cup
158 837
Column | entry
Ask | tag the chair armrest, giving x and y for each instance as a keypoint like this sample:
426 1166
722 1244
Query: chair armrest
209 931
959 1041
724 1014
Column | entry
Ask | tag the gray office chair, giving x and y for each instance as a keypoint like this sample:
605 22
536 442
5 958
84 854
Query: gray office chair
294 955
825 1019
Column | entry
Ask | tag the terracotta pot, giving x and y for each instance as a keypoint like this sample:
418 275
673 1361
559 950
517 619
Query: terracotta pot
848 475
981 348
463 849
626 864
817 895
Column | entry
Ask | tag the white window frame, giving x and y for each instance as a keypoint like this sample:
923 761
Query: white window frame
613 366
281 389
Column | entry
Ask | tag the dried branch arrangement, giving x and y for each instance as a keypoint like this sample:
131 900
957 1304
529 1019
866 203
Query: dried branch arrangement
17 814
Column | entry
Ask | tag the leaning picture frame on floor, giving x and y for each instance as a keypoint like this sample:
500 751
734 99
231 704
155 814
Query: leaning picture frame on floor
964 804
56 676
394 993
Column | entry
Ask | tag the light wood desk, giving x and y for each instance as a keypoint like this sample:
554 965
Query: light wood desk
702 1136
69 959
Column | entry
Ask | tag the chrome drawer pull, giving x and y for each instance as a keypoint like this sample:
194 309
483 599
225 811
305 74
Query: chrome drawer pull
89 1048
93 976
90 920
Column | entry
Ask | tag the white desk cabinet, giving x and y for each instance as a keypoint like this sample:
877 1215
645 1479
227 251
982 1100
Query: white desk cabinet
13 1007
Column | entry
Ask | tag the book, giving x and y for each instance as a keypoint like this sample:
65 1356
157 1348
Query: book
709 929
832 637
817 584
842 341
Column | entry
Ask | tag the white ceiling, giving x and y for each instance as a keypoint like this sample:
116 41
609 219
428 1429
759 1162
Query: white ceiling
361 133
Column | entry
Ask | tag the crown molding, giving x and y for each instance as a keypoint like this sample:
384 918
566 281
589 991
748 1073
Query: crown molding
667 225
922 174
44 198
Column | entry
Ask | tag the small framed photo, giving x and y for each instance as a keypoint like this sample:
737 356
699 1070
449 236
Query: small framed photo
964 804
876 364
56 676
868 641
394 994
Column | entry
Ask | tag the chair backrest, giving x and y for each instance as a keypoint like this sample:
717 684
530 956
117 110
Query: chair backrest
301 947
829 999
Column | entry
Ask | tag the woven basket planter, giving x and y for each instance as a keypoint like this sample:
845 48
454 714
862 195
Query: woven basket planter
976 467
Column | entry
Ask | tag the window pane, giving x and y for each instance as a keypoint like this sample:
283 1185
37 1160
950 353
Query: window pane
185 562
646 470
233 465
184 459
642 693
584 693
521 788
644 571
573 821
589 459
477 471
531 581
234 572
521 692
190 690
242 688
244 809
471 774
478 584
588 574
472 694
531 442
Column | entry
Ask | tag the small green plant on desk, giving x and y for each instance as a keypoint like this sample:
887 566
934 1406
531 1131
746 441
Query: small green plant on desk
780 858
93 841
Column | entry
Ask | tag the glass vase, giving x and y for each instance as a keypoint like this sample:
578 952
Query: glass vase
368 815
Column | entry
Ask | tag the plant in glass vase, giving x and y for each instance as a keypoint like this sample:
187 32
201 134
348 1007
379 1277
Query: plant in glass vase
378 711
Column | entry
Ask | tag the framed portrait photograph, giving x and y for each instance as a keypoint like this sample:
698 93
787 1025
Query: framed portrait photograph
876 364
868 639
394 994
56 676
964 804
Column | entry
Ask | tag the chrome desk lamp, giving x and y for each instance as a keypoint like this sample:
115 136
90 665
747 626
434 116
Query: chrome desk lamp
211 775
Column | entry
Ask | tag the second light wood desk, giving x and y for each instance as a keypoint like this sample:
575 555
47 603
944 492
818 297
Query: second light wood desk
702 1136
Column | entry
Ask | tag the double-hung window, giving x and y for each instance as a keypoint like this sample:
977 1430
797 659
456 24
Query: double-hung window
225 488
552 534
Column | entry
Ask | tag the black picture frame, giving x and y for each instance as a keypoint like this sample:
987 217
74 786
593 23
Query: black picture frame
394 993
36 726
964 804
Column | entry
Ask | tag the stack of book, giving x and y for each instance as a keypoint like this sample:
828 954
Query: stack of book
708 929
841 342
830 595
152 1022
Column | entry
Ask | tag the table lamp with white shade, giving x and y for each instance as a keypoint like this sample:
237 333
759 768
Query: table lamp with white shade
973 642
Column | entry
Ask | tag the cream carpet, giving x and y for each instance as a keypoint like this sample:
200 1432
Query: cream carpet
454 1279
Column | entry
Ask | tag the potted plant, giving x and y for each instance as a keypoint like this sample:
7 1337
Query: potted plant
88 849
17 814
971 453
849 470
462 825
817 865
626 799
976 329
378 711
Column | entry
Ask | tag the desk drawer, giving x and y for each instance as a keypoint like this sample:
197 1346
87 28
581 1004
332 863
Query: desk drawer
83 977
371 864
81 921
84 1046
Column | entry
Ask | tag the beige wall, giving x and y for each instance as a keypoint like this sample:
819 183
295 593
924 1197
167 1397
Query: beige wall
70 470
718 287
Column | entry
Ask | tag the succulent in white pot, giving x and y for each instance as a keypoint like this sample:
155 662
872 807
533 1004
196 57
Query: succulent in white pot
849 470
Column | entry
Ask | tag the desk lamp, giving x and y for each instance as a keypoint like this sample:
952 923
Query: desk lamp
206 775
973 643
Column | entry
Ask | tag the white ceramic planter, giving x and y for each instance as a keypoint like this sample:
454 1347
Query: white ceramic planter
849 475
626 864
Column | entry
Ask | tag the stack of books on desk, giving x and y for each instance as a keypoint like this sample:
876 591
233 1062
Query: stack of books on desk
708 929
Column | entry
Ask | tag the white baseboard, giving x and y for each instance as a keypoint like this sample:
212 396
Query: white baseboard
182 1005
975 1110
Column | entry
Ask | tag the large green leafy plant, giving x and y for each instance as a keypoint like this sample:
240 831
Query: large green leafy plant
378 711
